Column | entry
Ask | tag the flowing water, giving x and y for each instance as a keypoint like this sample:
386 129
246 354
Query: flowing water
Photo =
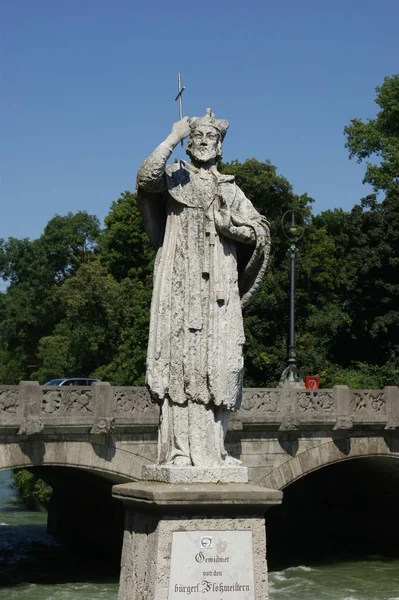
373 579
34 567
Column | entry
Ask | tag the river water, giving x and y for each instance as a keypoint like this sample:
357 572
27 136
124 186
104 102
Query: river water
34 567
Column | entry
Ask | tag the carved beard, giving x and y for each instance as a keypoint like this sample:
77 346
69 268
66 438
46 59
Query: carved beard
203 155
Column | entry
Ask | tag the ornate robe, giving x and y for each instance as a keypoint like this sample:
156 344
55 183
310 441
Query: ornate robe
213 248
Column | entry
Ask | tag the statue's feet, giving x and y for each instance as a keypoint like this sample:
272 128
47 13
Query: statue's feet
230 461
181 461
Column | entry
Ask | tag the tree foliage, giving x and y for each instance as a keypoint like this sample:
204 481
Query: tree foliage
379 138
34 491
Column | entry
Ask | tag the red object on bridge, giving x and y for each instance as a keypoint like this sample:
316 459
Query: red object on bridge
312 383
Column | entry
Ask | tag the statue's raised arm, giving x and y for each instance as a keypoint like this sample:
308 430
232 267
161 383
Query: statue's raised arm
150 176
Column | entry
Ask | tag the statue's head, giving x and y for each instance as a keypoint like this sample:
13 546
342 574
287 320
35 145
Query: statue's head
206 137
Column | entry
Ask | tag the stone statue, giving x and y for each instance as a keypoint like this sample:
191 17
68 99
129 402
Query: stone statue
213 248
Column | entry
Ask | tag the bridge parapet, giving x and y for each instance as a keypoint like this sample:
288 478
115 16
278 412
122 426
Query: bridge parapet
29 408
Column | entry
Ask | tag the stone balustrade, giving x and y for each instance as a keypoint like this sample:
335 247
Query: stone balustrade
28 409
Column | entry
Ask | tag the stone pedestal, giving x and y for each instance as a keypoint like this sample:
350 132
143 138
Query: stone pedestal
198 541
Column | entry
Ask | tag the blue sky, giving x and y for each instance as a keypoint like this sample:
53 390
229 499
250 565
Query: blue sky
88 91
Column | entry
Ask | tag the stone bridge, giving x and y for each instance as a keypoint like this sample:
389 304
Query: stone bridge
280 434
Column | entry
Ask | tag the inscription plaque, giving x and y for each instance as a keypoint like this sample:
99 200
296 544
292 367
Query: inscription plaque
212 565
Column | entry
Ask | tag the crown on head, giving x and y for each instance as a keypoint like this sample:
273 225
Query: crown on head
209 119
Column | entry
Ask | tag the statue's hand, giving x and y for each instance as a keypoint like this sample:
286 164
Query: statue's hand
181 129
221 214
224 224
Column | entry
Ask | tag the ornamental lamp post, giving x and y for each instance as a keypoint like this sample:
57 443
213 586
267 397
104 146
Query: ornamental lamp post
293 226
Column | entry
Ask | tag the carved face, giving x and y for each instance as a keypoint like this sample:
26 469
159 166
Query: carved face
204 144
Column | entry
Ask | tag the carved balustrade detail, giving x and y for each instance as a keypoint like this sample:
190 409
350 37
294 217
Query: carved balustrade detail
9 399
102 409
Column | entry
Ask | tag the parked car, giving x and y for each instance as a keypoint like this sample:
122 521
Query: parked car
72 381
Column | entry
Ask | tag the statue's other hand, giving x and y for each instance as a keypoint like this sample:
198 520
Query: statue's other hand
181 129
221 214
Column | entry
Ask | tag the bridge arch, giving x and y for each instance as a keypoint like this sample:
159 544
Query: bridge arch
328 453
110 461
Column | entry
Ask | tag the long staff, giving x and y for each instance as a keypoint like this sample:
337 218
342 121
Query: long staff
180 91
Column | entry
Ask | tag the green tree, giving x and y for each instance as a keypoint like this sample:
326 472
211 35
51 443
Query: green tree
85 336
30 308
104 306
128 255
128 363
33 490
373 290
125 247
373 294
69 242
66 243
379 138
